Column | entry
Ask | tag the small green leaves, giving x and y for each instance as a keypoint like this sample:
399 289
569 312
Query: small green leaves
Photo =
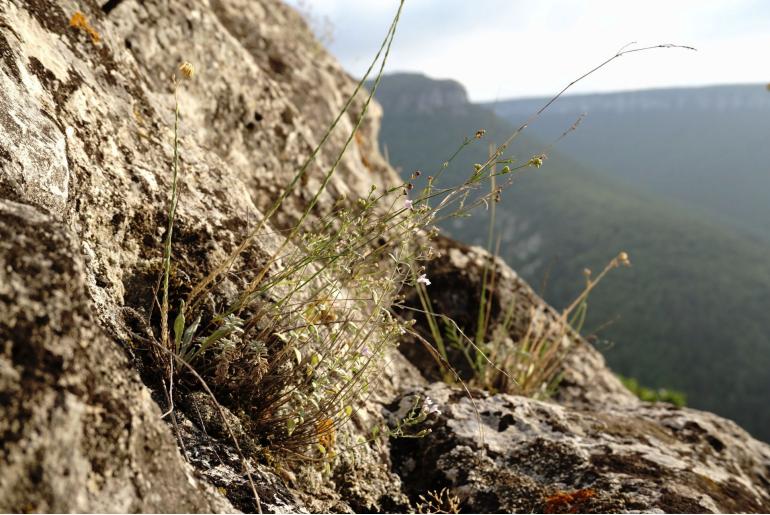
179 327
190 332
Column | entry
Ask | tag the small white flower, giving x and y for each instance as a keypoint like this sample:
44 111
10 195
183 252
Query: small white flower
428 406
408 204
423 279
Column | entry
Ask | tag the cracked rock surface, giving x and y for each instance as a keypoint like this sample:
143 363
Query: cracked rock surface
504 453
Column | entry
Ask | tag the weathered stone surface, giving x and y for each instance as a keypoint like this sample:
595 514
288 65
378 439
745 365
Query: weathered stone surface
85 140
78 430
505 453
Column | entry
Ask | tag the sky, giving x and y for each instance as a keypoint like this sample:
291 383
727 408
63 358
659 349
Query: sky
522 48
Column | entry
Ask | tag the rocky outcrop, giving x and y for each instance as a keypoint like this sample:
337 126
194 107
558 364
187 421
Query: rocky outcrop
79 431
502 453
85 151
599 449
415 94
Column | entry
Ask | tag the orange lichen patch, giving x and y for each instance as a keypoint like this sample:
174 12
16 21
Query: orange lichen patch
569 502
327 435
79 21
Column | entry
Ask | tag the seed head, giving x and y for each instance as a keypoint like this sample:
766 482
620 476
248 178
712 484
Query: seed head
187 70
480 133
537 161
623 259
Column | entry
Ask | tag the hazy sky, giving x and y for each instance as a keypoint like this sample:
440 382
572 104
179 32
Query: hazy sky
510 48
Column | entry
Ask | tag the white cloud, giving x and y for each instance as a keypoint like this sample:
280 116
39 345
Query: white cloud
503 48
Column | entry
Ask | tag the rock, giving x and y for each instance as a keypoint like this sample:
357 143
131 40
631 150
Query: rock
504 453
79 430
85 157
415 93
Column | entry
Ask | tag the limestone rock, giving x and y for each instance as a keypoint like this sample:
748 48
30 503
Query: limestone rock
505 453
85 157
79 430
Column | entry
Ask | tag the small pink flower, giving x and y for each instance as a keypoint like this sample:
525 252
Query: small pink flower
423 279
408 204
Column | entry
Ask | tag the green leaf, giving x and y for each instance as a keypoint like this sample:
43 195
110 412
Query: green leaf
348 410
179 327
190 332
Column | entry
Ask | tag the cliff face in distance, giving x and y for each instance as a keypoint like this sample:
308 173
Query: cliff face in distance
85 425
414 93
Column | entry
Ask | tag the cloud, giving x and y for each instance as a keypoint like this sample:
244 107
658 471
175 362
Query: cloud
504 48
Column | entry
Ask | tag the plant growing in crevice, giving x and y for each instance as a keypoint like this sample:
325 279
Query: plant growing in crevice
298 348
519 350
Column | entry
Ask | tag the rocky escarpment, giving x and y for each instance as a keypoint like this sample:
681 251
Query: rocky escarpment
414 93
85 154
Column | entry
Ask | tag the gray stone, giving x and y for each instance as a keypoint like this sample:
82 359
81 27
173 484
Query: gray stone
504 453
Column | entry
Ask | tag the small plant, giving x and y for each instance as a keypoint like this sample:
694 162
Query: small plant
442 501
500 356
532 364
298 348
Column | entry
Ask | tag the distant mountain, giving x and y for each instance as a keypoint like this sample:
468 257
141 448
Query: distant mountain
705 148
414 93
690 314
